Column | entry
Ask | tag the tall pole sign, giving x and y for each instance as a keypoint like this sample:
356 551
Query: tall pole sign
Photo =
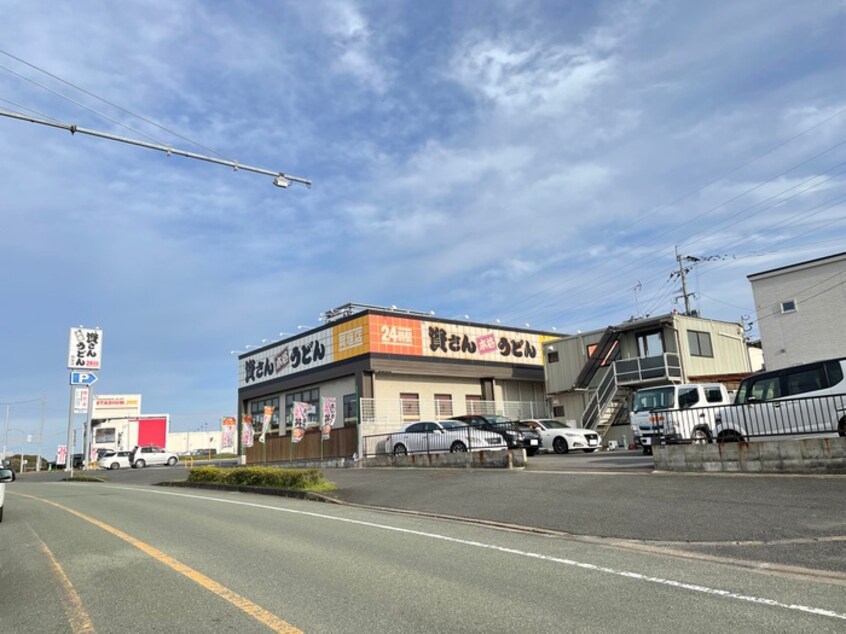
85 352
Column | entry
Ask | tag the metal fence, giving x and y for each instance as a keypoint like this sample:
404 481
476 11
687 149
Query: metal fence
383 416
417 443
757 419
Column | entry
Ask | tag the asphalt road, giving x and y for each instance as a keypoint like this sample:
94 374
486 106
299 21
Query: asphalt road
121 557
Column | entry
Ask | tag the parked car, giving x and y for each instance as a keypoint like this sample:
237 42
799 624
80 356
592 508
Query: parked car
6 475
203 453
112 459
795 401
440 436
532 440
151 455
502 425
560 438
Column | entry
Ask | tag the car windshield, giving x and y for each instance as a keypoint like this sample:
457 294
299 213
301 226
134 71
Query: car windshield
499 420
654 398
553 424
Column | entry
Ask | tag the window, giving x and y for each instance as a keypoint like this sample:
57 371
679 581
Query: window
350 410
443 405
558 411
805 380
552 357
713 394
650 344
612 355
765 388
312 397
700 343
106 434
473 403
257 412
788 306
410 406
688 397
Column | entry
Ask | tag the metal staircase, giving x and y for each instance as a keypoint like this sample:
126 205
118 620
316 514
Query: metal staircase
607 404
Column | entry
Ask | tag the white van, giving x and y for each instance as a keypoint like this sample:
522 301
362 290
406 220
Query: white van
802 399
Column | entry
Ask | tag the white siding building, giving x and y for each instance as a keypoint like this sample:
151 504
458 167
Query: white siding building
801 311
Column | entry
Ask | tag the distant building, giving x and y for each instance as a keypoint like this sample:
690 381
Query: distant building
801 310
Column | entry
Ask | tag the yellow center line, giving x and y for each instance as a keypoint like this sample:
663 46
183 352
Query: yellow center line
78 617
242 603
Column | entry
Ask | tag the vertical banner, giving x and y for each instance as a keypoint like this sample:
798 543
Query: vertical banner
300 421
329 409
61 455
247 430
228 425
80 400
265 422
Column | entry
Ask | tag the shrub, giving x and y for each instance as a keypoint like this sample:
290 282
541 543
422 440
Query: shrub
300 479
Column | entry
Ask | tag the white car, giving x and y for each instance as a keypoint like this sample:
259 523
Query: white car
6 475
114 460
151 455
561 438
440 436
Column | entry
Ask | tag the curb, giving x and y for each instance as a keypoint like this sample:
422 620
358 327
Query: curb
214 486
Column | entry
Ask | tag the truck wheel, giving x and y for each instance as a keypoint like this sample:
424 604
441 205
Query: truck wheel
700 436
647 450
730 436
559 445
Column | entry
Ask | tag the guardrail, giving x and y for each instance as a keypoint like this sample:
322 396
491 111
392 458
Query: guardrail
806 416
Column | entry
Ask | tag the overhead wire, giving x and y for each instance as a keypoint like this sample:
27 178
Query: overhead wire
110 103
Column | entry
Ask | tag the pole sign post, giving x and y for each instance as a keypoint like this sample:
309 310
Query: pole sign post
85 352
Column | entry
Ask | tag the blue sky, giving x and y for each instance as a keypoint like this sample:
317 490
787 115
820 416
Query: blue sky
524 161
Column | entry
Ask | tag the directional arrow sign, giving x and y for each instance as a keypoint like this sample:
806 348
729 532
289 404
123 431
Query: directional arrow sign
83 378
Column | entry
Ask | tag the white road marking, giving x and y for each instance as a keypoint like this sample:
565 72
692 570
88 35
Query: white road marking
726 594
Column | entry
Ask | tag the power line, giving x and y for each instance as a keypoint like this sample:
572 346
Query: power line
113 105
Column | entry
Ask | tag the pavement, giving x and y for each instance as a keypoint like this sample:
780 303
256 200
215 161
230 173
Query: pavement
790 521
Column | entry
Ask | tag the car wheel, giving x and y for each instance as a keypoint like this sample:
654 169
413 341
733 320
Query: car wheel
171 461
114 465
140 464
458 447
647 451
532 452
700 436
591 450
559 445
400 450
1 513
729 436
841 427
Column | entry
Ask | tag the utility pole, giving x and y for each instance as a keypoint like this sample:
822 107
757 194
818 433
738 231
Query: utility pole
683 270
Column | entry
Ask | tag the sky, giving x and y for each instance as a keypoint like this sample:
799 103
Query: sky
536 162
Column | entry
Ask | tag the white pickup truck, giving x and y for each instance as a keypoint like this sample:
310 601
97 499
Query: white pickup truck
676 413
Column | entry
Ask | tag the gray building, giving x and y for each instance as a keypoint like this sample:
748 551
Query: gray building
801 310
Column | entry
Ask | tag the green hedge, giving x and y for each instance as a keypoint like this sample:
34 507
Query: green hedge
300 479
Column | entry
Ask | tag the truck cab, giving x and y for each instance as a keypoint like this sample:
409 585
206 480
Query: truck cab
681 412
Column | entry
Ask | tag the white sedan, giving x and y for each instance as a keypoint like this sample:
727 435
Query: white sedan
439 436
562 438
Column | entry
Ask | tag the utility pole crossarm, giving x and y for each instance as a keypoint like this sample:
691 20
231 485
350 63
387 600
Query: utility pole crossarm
280 178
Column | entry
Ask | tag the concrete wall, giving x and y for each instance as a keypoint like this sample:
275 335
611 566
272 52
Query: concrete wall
810 455
471 459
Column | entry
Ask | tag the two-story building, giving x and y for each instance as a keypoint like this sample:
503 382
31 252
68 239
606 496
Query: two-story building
590 376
